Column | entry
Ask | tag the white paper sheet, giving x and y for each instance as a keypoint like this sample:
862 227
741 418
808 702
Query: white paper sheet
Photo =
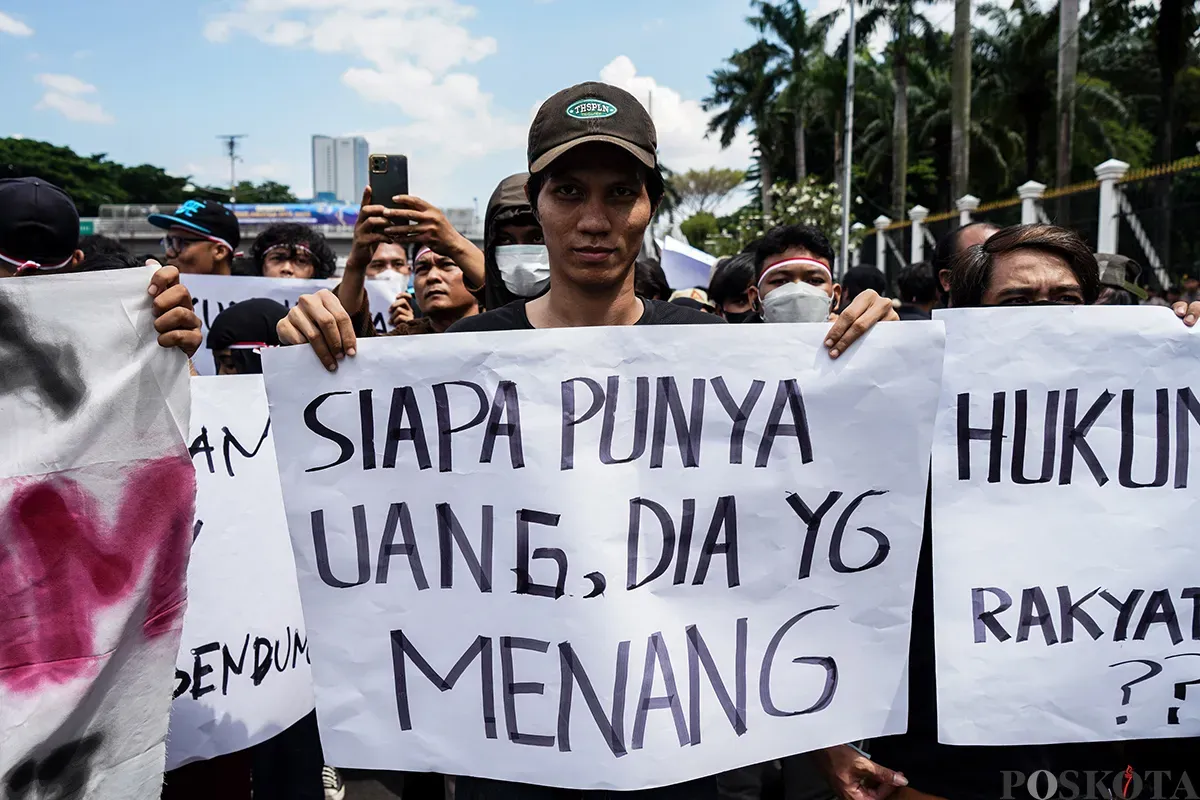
242 673
96 506
376 641
1063 526
212 294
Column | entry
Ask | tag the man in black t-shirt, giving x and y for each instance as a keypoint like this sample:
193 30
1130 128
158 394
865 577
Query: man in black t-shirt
594 185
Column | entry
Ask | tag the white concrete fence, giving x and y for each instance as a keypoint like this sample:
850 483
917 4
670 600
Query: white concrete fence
1113 205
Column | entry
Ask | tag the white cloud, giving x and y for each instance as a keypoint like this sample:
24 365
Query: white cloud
66 95
682 124
14 27
410 55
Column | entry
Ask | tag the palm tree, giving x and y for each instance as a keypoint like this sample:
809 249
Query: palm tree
960 101
794 45
1017 55
907 24
745 92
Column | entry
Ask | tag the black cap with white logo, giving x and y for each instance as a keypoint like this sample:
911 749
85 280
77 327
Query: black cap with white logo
591 112
210 219
39 226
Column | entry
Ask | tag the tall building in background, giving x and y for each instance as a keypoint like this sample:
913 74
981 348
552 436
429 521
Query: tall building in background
339 168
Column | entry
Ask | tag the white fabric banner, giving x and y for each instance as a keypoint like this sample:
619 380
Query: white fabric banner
242 674
606 558
97 498
212 294
1065 544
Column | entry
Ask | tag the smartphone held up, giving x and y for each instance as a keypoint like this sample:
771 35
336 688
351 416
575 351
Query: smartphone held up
388 178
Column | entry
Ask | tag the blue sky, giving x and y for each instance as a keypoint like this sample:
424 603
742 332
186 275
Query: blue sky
451 83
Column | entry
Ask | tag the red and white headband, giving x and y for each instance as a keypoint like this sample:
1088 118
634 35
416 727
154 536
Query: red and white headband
790 262
302 248
20 265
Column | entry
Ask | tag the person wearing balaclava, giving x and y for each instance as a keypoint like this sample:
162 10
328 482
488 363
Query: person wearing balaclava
239 333
794 280
516 264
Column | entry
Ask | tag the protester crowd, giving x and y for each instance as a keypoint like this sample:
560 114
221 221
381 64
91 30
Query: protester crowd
563 247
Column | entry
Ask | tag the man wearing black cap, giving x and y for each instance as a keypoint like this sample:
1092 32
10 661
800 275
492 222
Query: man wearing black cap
202 237
39 233
39 227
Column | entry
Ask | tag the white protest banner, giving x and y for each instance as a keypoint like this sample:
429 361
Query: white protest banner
1064 529
608 557
97 497
212 294
242 673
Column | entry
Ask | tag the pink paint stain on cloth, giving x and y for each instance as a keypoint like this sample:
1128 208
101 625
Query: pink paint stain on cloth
60 567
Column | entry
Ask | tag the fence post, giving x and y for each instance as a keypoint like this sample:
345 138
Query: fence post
917 248
881 223
966 204
856 251
1108 174
1031 194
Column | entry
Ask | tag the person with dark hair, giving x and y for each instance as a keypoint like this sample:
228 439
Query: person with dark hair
918 287
99 244
99 262
388 260
730 286
516 264
1038 265
102 253
1026 265
347 305
202 237
951 245
858 280
649 279
291 250
240 332
794 283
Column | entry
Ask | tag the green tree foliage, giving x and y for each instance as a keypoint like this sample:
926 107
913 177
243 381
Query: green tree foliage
699 228
703 190
93 180
1137 98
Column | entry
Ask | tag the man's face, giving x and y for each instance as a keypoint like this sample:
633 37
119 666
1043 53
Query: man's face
1025 277
438 284
285 261
192 253
389 260
594 210
776 276
519 234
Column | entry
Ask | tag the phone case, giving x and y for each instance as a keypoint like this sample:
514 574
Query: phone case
386 185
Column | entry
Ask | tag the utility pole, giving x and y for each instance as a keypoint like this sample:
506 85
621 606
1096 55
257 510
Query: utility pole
960 102
848 151
1068 64
231 145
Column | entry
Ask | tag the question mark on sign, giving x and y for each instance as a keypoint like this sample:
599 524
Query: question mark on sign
1126 688
1180 691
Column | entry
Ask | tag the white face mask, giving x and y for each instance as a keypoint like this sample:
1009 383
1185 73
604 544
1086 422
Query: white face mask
525 268
797 302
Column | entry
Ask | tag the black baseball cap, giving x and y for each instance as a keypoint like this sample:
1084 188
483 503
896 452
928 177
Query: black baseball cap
591 112
39 226
206 217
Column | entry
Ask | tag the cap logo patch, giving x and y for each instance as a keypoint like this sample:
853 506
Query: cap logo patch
189 208
590 108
